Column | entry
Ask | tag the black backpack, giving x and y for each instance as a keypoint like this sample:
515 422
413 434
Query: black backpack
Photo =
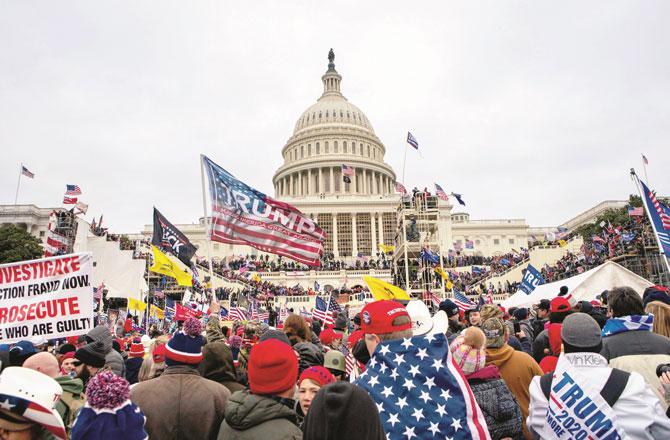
611 391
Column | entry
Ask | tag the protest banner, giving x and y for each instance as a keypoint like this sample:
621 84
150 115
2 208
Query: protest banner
531 279
50 297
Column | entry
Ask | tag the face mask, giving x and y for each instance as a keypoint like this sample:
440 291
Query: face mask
360 352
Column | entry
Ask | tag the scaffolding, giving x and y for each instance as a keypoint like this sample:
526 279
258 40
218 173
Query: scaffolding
418 227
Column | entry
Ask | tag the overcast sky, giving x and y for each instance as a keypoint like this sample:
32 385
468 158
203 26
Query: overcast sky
532 110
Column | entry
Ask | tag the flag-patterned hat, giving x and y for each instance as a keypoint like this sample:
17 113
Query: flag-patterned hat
29 394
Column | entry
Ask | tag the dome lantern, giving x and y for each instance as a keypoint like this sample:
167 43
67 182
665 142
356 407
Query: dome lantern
331 79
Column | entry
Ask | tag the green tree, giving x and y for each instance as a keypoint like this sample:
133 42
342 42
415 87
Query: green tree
16 244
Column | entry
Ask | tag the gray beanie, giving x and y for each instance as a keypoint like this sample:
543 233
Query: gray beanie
275 334
580 330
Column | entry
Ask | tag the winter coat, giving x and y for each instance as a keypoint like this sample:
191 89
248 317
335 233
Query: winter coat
250 416
517 370
638 411
133 366
180 404
639 351
113 359
217 365
500 408
539 344
310 355
71 400
538 326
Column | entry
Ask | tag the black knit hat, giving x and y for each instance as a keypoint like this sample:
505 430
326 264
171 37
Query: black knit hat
342 410
92 354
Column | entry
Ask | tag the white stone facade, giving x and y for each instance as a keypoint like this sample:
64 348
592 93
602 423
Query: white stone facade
35 220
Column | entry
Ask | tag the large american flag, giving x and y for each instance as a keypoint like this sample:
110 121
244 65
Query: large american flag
462 301
324 311
400 188
347 170
72 190
243 215
237 314
420 393
56 244
431 297
659 215
440 193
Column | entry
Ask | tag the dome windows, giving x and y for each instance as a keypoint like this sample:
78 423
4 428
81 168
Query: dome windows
318 148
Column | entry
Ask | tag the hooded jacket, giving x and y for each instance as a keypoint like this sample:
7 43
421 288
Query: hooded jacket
342 410
500 408
517 370
73 391
113 359
250 417
217 365
638 410
310 355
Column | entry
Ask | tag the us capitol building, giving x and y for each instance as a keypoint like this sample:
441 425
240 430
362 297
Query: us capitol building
358 216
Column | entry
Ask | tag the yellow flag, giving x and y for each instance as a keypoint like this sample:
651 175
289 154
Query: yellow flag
383 290
441 272
386 248
449 285
562 243
156 312
164 265
136 304
255 277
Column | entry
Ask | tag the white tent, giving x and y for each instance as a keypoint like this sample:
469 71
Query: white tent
584 286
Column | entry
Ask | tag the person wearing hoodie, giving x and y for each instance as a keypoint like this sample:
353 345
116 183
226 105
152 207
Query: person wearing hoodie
113 360
500 408
516 367
343 411
217 365
265 410
72 399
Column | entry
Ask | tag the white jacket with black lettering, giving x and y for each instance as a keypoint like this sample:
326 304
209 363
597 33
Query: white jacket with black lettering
638 410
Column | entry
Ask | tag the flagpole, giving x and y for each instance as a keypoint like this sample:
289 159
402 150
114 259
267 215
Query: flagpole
18 184
651 220
404 162
208 223
644 167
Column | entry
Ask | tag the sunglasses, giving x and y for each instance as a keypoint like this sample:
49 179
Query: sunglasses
77 363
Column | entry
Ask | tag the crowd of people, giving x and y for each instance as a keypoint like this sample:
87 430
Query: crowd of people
602 365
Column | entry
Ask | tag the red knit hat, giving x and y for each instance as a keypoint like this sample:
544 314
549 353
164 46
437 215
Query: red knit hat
560 304
272 367
159 353
136 349
377 317
329 335
68 355
318 374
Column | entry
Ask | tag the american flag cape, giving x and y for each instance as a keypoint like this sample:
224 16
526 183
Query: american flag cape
463 302
440 193
243 215
659 215
420 392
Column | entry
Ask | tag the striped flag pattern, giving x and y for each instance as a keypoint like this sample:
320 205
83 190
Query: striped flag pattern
412 140
400 188
26 172
244 216
463 302
430 296
440 193
72 190
237 314
69 200
56 244
321 311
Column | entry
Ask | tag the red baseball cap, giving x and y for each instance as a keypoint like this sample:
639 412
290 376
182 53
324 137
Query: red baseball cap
377 317
560 304
329 335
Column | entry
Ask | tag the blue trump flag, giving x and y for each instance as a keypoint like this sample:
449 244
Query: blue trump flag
430 257
419 391
531 279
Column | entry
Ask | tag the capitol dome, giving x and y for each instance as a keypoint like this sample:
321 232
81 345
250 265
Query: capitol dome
331 133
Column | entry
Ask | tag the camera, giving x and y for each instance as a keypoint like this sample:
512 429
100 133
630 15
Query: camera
662 368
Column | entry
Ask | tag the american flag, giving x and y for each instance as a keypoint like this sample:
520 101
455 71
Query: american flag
420 392
72 190
351 367
26 172
489 297
56 244
323 311
463 302
635 212
659 215
237 314
283 313
400 188
430 296
348 171
243 215
440 193
412 140
469 244
69 200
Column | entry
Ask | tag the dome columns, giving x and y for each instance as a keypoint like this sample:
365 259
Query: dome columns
328 180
